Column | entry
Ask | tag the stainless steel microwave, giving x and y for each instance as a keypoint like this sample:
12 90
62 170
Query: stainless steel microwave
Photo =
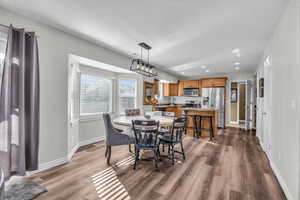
191 92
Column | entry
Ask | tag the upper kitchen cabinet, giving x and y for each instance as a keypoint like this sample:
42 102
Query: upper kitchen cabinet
170 89
191 84
180 88
213 82
200 87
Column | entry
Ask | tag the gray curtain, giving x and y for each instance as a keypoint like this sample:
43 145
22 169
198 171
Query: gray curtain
19 104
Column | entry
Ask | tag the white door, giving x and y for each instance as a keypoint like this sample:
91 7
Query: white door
267 104
248 105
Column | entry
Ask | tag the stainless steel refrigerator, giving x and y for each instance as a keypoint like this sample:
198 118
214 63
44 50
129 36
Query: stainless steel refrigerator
215 98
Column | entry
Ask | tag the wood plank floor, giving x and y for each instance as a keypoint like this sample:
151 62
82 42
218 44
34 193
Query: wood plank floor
233 167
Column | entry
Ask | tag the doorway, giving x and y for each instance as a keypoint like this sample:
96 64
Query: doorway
238 104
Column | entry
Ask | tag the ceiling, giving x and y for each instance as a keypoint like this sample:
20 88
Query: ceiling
184 35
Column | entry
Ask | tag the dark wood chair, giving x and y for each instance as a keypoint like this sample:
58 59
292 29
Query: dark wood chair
115 137
146 138
174 137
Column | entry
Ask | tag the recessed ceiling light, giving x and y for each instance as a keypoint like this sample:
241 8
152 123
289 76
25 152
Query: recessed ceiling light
236 68
236 51
237 63
183 73
203 67
207 70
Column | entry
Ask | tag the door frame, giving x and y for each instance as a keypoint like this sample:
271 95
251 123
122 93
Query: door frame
238 102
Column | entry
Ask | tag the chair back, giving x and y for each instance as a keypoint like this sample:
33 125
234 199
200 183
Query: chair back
146 133
108 125
132 112
178 129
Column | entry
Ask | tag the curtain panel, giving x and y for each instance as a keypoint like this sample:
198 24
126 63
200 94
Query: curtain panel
19 104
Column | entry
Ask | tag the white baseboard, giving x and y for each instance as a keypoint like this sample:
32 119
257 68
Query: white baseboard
281 181
276 171
48 165
68 158
91 141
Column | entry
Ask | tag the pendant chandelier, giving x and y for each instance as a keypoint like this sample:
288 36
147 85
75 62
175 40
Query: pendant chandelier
141 67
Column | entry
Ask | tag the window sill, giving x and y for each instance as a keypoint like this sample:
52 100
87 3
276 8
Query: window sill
92 117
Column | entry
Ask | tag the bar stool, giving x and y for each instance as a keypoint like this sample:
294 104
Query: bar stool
195 127
210 129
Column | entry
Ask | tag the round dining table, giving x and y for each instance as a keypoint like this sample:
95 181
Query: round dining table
127 120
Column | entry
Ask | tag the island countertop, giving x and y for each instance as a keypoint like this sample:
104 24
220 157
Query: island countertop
199 109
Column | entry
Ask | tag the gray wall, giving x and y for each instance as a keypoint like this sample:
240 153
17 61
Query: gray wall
284 51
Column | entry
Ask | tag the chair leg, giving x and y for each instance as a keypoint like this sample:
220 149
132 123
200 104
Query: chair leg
200 127
211 132
130 148
173 155
106 151
212 128
183 154
109 154
168 149
156 159
137 153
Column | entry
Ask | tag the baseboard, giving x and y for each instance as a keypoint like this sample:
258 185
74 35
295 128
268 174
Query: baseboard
48 165
91 141
66 159
281 181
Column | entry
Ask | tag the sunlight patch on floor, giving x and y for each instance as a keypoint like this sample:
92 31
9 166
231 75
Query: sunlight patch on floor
107 184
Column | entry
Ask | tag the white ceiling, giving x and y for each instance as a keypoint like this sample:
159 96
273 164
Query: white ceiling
184 34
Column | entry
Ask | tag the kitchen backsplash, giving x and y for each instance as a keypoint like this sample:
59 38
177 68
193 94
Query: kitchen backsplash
182 100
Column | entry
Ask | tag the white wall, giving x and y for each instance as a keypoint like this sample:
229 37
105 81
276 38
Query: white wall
54 49
284 51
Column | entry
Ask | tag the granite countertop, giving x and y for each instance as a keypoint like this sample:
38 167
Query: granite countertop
199 109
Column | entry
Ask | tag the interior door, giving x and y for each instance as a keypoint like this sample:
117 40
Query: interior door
248 105
267 104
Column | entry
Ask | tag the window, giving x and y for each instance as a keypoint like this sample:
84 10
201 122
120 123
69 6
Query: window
127 94
95 95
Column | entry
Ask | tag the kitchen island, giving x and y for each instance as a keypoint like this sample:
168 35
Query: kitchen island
205 122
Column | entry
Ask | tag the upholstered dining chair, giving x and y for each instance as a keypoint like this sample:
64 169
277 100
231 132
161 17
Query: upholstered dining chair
132 112
115 137
174 137
146 138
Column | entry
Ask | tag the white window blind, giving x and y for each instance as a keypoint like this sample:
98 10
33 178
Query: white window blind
127 94
95 95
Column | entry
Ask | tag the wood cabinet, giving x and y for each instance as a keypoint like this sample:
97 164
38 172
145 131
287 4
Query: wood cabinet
200 87
180 88
170 89
190 84
156 87
213 82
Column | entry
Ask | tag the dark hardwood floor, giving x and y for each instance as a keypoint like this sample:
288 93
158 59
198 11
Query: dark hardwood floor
234 167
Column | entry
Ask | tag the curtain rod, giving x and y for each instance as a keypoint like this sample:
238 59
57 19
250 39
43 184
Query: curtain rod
5 26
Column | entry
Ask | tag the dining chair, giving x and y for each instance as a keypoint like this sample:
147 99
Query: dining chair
132 112
146 138
115 137
173 138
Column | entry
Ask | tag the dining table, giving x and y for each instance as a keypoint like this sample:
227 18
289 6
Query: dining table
125 123
127 120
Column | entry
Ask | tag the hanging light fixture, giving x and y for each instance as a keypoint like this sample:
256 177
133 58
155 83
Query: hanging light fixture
142 67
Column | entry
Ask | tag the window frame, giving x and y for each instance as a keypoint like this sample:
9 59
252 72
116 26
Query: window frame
86 70
118 91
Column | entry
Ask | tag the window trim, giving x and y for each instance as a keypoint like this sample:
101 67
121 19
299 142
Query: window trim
118 91
98 115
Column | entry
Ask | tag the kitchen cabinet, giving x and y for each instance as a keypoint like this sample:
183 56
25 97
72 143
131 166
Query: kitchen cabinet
170 89
180 88
213 82
200 87
190 84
